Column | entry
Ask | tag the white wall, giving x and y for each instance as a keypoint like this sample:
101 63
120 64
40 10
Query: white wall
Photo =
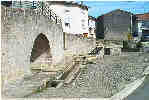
76 15
139 29
91 23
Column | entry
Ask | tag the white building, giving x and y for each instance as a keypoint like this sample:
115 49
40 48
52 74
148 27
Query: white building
74 16
142 26
92 27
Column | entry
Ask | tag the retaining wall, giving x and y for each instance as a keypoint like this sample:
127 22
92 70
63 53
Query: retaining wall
76 44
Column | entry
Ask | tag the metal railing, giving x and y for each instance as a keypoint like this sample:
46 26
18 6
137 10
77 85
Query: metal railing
43 8
38 8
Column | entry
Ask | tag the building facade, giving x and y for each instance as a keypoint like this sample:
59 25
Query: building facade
142 26
115 25
74 16
92 27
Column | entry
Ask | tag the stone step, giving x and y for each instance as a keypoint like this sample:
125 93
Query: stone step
28 85
46 67
70 72
68 66
146 72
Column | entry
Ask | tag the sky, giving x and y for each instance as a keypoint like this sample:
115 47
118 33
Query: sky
98 8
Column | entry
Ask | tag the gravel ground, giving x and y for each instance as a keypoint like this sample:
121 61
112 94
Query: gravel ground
103 78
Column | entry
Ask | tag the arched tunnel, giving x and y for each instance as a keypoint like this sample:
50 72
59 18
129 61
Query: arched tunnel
41 51
32 40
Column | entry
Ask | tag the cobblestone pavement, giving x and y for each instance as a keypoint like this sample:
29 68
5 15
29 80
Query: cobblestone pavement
101 78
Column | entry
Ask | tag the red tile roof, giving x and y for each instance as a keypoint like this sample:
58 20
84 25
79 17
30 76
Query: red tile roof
142 16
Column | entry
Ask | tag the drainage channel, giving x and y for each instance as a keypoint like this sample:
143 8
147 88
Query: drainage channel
63 79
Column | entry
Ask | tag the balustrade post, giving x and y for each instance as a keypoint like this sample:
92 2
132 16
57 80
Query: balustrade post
42 7
20 4
56 19
50 14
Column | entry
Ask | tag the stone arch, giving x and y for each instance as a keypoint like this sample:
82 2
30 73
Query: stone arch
18 41
41 51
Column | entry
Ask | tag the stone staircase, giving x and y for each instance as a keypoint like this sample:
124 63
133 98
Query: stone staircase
43 78
95 51
39 81
110 78
70 72
28 85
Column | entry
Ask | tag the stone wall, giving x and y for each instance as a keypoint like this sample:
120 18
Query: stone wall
76 44
114 25
117 26
115 51
19 30
113 46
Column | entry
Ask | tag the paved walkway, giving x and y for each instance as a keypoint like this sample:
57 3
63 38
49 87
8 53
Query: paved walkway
98 79
101 79
142 93
128 89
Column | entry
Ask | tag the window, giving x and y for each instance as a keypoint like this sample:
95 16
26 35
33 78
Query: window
91 23
67 18
82 12
83 24
34 5
82 20
67 10
6 3
145 32
106 51
145 24
67 25
90 30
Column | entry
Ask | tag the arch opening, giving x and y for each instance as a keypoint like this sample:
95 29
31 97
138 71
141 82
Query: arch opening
41 52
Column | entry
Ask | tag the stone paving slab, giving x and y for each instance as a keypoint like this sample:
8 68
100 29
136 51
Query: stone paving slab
100 79
27 86
94 79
